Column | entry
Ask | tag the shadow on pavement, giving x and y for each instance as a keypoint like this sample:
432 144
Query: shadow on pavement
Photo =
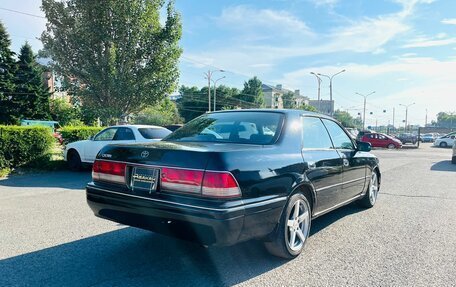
444 165
329 218
60 179
133 257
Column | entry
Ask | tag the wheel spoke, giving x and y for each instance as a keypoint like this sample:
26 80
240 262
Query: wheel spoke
292 238
303 216
296 210
300 235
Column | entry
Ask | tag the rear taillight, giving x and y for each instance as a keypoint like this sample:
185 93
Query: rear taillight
181 180
209 184
109 171
220 184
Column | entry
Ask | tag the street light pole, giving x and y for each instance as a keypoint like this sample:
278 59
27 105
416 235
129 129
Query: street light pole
364 110
319 84
215 90
406 113
330 86
208 77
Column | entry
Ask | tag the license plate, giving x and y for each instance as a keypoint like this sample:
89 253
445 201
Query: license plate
144 179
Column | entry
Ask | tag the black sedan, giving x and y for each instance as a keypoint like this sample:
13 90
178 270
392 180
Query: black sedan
232 176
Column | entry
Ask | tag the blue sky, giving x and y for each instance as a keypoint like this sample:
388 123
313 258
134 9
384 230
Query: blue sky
405 50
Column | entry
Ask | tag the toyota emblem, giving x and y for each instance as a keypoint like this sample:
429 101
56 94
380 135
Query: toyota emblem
145 154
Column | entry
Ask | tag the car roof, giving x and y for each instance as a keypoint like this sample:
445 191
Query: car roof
282 111
136 126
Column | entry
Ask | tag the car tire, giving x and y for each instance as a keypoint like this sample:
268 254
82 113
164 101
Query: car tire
453 160
293 229
370 198
443 144
391 146
74 161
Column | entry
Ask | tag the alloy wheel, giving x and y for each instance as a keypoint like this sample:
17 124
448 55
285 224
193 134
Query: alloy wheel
373 188
298 225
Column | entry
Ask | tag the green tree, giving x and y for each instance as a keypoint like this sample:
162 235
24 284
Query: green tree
194 102
344 118
7 74
64 112
252 94
118 55
31 96
289 100
161 114
447 120
307 108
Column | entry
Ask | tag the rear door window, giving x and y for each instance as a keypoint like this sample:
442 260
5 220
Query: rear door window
124 134
314 134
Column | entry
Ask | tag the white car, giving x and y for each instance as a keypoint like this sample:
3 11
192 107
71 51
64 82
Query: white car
445 141
84 152
453 158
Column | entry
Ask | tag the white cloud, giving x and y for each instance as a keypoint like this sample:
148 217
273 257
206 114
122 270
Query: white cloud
427 81
449 21
324 2
425 42
264 23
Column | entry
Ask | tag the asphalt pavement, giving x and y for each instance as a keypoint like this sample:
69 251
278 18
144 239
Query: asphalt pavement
49 237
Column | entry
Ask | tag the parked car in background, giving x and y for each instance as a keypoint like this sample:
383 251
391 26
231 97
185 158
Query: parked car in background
453 158
53 125
445 141
353 132
407 138
84 152
265 176
428 138
173 127
381 140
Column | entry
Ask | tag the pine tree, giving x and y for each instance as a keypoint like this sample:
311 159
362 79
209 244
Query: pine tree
7 71
32 96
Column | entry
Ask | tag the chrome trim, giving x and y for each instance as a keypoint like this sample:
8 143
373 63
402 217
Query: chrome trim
338 205
189 205
342 183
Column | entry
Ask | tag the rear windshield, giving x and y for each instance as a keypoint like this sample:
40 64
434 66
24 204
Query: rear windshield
154 133
231 127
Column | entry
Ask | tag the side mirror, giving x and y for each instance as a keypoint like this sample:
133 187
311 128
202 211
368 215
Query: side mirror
363 146
91 138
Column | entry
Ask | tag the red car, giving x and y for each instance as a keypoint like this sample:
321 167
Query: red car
381 140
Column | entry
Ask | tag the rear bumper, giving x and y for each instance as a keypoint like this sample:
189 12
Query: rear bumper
202 224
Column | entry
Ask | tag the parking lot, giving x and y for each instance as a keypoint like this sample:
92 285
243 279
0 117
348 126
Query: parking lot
49 237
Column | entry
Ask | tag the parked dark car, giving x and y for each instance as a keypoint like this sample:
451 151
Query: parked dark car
265 176
381 140
173 127
407 138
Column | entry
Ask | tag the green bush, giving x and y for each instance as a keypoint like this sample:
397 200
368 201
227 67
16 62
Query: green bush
22 145
72 134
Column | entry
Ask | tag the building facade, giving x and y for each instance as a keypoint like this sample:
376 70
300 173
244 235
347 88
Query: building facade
274 97
323 106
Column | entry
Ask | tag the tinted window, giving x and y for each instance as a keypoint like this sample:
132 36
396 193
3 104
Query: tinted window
154 133
124 134
314 134
339 138
106 135
232 127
